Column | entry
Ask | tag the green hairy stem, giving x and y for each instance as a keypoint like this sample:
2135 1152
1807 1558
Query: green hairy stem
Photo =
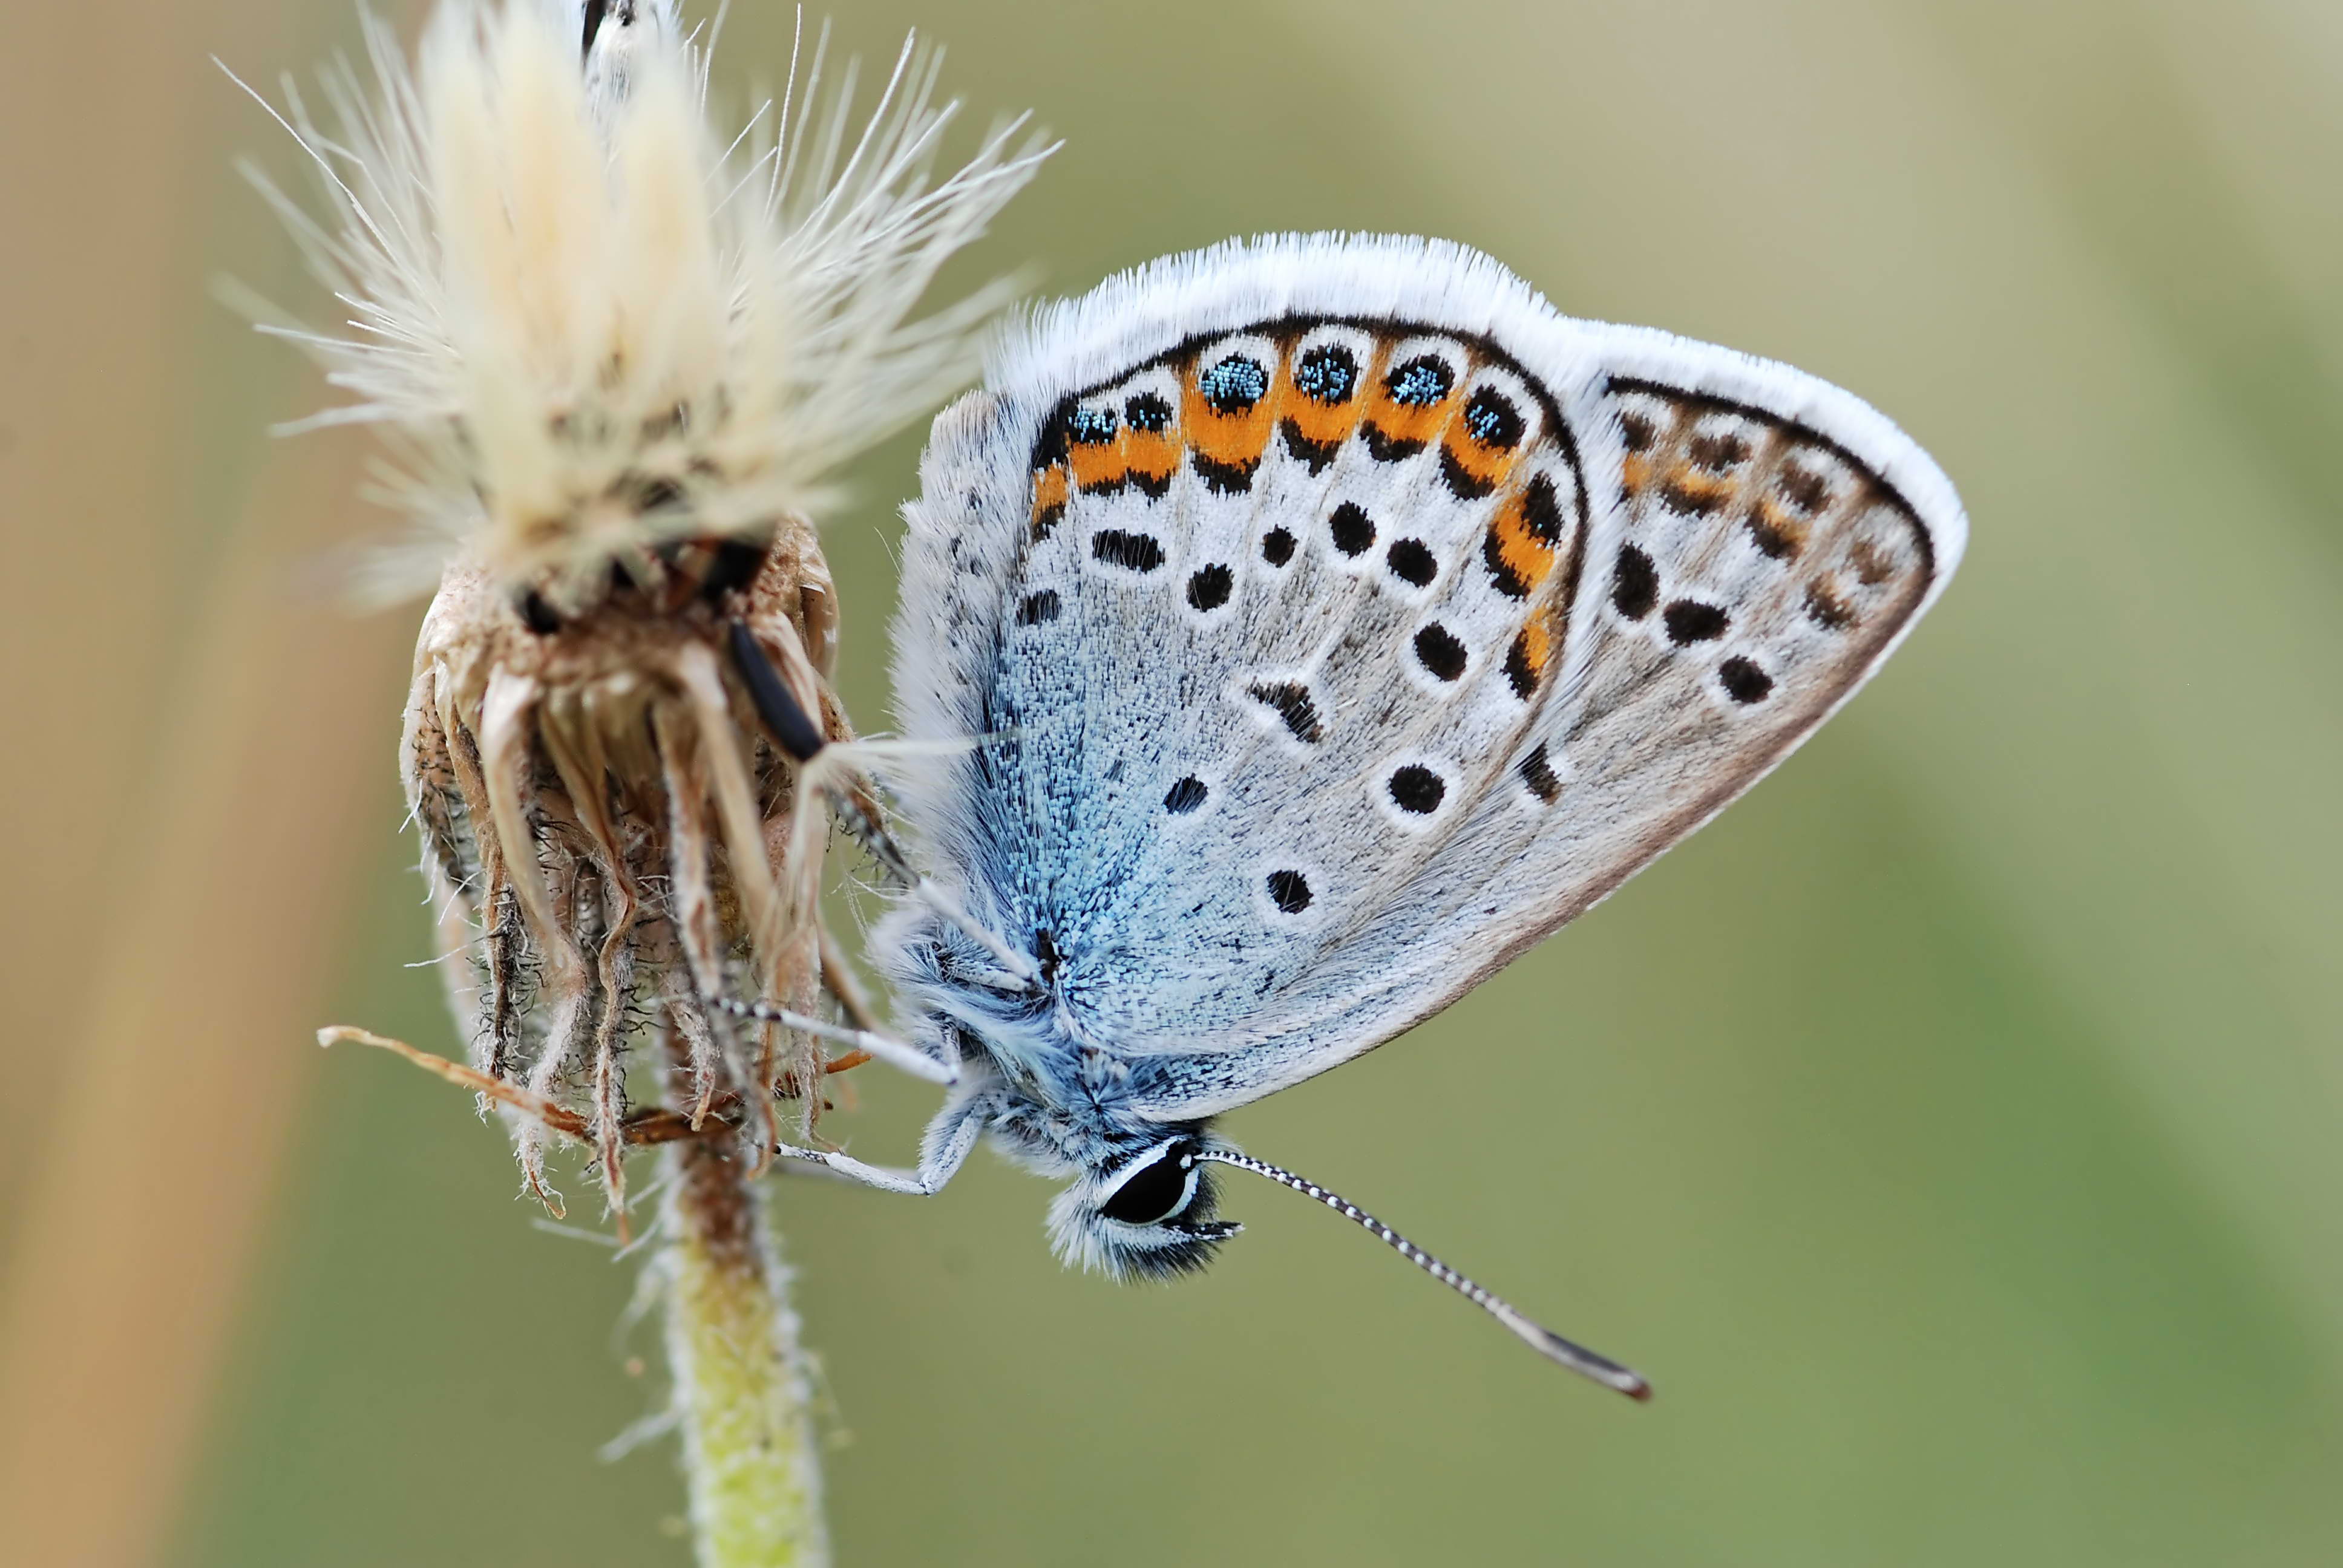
740 1386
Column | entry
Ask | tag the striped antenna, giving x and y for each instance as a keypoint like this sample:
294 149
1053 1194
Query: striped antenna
1539 1338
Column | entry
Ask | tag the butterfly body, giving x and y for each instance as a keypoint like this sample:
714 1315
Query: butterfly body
1333 619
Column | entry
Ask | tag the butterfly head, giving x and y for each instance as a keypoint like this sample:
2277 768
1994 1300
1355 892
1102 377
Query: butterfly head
1142 1213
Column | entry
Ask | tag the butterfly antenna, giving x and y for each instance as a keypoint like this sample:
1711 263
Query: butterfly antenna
800 737
1539 1338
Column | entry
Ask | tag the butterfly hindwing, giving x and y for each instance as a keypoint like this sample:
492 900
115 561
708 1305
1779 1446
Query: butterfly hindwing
1344 621
1286 596
1756 569
1762 570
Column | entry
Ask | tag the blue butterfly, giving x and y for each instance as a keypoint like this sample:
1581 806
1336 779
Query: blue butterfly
1326 620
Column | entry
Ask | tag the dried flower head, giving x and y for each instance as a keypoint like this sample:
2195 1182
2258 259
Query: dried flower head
617 360
590 327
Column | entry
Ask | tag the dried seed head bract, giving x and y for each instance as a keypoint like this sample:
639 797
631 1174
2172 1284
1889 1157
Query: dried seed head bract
616 361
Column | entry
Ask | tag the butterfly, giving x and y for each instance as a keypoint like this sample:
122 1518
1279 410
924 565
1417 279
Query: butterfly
1329 620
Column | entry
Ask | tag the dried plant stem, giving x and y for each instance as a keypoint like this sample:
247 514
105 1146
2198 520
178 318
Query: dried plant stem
741 1392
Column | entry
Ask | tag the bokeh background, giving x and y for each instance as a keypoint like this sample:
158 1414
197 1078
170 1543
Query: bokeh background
1951 1131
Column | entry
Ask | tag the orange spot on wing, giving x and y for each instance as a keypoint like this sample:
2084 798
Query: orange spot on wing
1484 467
1640 428
1533 650
1319 424
1634 474
1097 466
1049 490
1525 537
1152 456
1526 560
1691 489
1413 424
1537 645
1775 531
1233 441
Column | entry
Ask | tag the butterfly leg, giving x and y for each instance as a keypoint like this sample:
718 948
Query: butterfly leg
943 1151
800 737
898 1054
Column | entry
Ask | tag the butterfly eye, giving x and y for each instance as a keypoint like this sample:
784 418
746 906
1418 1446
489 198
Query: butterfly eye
1156 1190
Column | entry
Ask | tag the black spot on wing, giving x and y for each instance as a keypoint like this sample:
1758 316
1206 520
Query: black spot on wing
1317 455
1439 651
1538 773
1290 892
1520 673
1353 531
1290 701
1828 608
1137 552
1038 608
1772 541
1185 796
1634 584
1222 479
1233 385
1385 448
1421 382
1049 441
1462 484
1689 620
1416 789
1209 587
1807 490
1685 501
1327 374
1718 451
1412 562
1745 682
1492 420
1541 511
1509 583
1277 546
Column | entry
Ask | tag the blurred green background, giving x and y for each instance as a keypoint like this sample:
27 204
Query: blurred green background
1950 1130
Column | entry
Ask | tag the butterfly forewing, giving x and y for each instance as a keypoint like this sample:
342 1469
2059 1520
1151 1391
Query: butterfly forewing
1763 569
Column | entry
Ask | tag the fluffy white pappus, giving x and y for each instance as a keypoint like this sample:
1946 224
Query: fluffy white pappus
584 324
